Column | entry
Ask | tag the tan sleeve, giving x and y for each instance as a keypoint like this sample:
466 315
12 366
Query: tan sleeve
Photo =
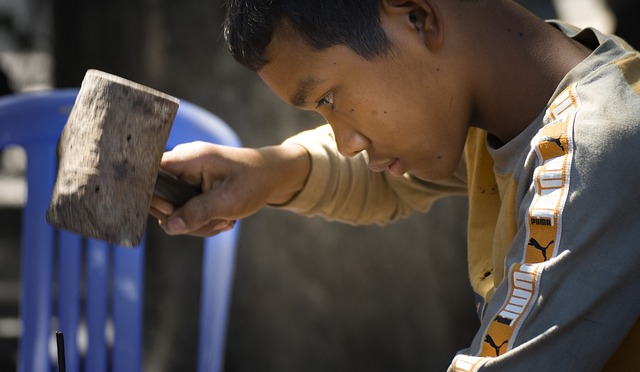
344 189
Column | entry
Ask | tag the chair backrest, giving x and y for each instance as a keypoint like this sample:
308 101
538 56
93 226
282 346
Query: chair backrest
90 291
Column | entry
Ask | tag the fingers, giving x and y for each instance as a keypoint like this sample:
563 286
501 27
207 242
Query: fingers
176 226
161 206
198 217
213 228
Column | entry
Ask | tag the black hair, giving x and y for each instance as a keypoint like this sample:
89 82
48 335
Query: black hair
249 26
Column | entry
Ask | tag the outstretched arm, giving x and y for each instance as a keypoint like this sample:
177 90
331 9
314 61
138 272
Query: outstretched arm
306 175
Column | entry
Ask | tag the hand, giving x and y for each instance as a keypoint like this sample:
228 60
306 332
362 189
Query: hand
235 183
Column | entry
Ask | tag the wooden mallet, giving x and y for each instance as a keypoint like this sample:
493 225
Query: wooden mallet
109 158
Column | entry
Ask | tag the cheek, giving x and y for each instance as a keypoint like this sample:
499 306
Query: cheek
403 119
430 143
381 125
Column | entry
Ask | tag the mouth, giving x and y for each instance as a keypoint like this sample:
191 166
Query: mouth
393 166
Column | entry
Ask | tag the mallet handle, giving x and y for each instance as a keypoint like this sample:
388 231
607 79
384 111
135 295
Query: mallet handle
173 189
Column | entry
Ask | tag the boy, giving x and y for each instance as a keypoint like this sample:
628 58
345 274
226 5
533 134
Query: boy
537 123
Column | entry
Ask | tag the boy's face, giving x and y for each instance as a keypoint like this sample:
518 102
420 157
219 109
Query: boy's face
407 109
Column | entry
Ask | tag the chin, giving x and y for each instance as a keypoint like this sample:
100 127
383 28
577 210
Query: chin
431 175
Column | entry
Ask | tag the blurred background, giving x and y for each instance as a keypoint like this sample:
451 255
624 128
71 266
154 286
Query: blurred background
308 294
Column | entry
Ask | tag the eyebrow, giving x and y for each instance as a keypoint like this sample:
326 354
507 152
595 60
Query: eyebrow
299 97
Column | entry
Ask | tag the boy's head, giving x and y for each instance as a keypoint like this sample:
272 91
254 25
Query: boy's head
250 26
402 80
377 70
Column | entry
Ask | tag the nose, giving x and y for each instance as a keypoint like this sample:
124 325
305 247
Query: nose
350 142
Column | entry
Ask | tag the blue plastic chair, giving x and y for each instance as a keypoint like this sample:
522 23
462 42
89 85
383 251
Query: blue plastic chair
56 264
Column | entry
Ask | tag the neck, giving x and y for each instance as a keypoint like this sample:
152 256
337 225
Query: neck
525 60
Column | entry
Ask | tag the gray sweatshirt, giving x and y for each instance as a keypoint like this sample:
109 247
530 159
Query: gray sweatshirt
554 237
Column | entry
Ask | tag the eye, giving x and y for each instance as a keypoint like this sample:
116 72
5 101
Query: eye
327 100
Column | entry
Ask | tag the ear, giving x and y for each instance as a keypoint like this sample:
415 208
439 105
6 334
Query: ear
422 17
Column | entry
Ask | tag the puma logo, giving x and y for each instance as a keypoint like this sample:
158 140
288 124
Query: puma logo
557 141
534 243
489 340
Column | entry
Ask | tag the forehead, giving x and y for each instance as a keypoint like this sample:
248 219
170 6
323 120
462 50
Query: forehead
286 45
294 67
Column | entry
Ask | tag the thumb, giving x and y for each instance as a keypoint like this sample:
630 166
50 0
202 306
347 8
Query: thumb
193 215
175 225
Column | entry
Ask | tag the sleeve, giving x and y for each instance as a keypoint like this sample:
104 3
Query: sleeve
344 189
